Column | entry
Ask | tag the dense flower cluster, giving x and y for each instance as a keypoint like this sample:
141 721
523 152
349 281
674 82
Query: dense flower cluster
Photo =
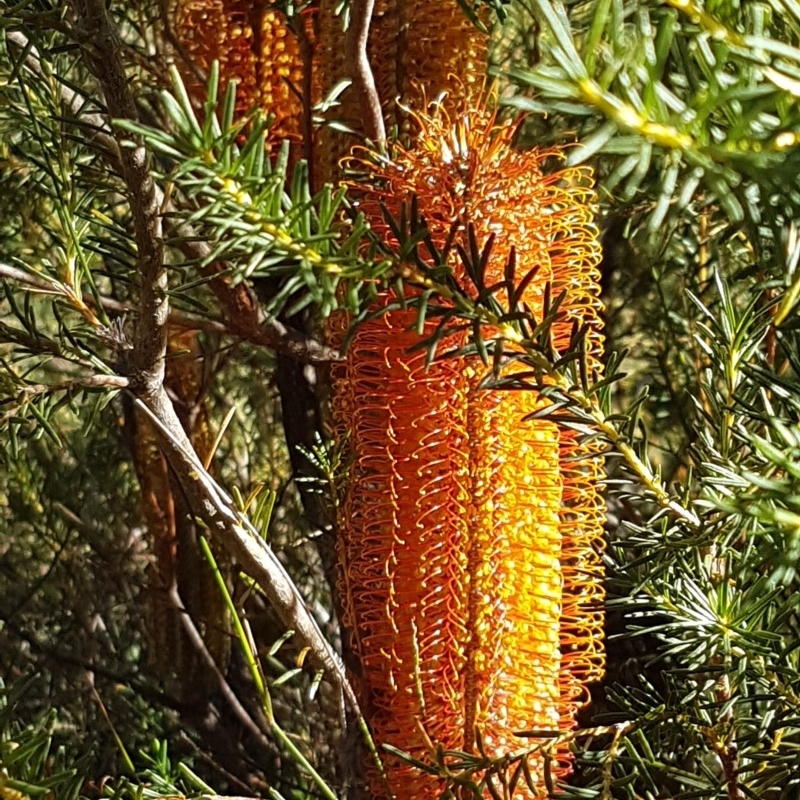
255 47
470 538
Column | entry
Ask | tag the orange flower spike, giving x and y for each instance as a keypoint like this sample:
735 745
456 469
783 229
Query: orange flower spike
403 537
531 587
256 48
441 51
575 256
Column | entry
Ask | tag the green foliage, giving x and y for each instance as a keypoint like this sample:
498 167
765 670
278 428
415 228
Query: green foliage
75 556
678 106
689 115
161 776
260 220
33 764
30 765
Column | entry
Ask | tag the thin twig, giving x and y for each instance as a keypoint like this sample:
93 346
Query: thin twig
99 381
202 755
26 278
216 510
725 746
40 651
357 58
165 10
199 645
96 381
177 319
307 46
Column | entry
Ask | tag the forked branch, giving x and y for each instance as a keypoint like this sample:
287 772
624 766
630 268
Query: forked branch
209 502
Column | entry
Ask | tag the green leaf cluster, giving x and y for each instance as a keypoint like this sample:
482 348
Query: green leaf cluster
689 115
261 220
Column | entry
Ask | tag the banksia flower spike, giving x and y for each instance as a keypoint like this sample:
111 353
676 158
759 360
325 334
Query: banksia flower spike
470 539
255 47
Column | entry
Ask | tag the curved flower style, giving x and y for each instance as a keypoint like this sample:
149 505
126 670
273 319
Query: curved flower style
254 46
470 539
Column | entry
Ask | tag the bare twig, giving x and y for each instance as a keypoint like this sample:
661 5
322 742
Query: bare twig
206 758
169 34
199 645
360 70
26 278
307 46
41 651
723 741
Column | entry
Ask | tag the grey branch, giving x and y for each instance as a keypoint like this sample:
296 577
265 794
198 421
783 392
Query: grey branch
102 49
236 533
31 390
30 279
360 71
82 382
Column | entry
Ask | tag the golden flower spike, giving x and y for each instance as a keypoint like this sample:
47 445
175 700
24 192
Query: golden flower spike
471 539
255 47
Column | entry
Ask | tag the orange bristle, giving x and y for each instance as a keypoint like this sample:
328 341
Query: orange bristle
471 539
